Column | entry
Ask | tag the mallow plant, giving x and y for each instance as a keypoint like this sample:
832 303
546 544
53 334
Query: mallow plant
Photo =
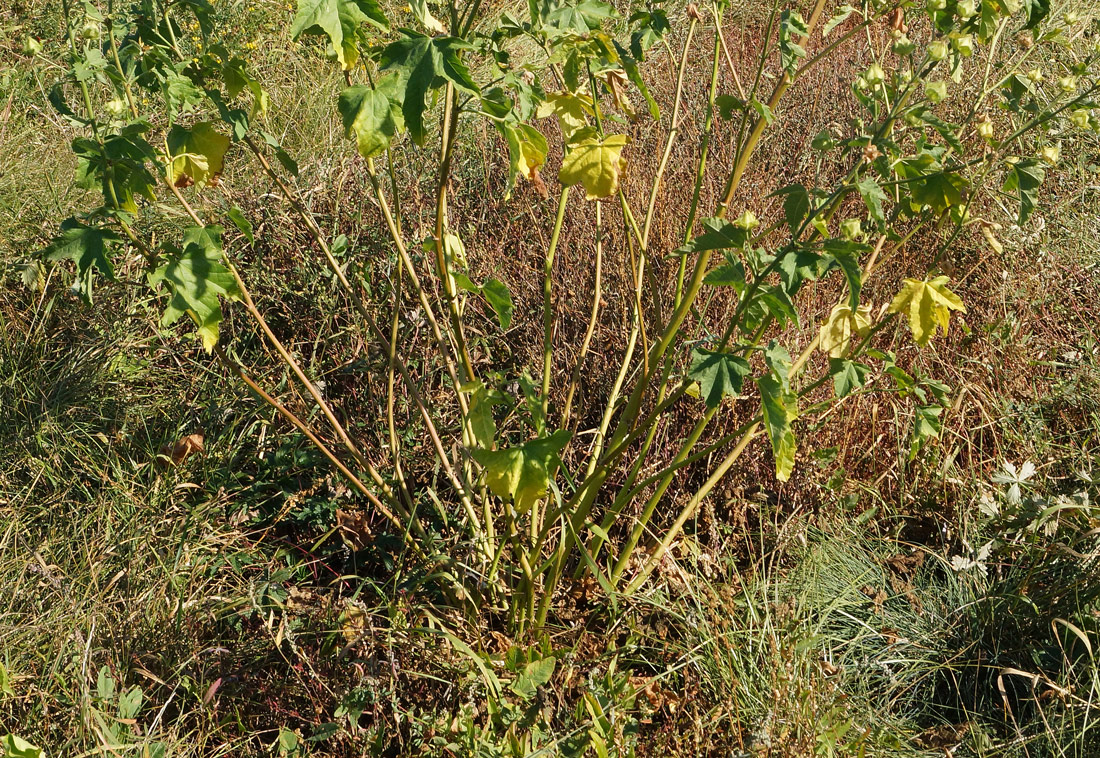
949 111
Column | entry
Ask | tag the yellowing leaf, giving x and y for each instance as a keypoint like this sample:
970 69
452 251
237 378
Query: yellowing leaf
836 332
572 111
197 155
595 163
523 473
929 304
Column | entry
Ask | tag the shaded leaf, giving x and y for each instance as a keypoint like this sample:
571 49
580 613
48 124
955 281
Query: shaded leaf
197 277
719 374
88 247
500 300
1024 178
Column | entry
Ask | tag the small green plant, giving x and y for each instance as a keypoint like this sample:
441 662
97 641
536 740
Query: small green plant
533 504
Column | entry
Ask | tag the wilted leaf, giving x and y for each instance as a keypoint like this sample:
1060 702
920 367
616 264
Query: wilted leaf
523 473
177 452
928 304
354 528
836 333
196 155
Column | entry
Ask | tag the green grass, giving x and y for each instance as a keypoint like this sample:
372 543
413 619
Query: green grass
830 622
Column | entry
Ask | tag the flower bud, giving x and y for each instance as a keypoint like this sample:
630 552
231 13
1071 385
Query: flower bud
963 44
875 75
938 51
966 8
747 221
851 229
1070 18
31 46
1068 84
936 92
90 31
116 107
936 5
903 45
983 125
1051 154
1080 118
1035 76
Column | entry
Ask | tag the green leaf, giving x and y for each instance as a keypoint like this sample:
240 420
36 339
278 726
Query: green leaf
763 111
791 25
796 204
846 253
1037 11
928 304
196 277
5 682
500 300
596 164
848 376
419 9
241 222
17 747
1024 178
926 426
368 118
650 27
945 130
940 191
719 374
118 168
719 235
339 20
197 155
535 674
799 264
87 246
837 20
523 473
630 65
873 197
731 274
422 64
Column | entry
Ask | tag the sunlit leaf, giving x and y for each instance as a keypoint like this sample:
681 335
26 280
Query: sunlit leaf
17 747
534 675
572 111
719 234
596 164
874 197
339 20
928 304
527 151
523 473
